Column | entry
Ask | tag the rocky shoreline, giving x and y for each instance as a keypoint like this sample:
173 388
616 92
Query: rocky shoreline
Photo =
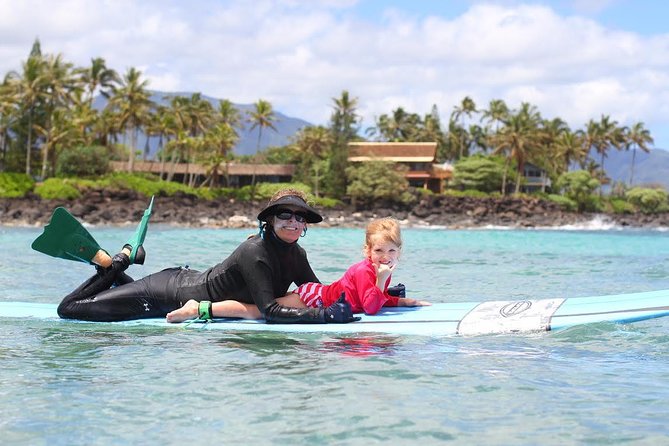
126 207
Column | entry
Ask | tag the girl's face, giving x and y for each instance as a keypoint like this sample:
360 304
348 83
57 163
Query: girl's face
289 230
383 252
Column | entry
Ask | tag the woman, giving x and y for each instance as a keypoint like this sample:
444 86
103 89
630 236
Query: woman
259 270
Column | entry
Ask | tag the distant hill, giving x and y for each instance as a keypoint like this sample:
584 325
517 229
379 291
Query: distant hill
649 168
286 126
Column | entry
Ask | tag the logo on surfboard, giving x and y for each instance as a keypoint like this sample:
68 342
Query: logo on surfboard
515 308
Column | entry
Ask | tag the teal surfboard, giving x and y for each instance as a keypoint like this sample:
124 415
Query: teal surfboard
464 318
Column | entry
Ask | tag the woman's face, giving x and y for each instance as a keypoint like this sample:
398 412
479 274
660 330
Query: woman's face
286 224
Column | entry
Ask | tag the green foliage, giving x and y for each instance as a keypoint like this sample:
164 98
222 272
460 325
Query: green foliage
479 172
565 203
281 155
15 185
57 189
377 180
620 206
83 162
148 184
648 201
326 203
578 187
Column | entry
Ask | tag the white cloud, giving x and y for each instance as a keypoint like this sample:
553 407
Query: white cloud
300 54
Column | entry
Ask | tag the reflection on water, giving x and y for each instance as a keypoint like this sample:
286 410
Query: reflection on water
362 346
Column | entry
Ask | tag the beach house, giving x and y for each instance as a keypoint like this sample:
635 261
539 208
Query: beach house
420 158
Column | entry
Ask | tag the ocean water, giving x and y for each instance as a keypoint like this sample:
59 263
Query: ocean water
81 384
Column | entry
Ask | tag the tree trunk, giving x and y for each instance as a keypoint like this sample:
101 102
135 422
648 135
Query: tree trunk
632 168
30 134
506 171
133 144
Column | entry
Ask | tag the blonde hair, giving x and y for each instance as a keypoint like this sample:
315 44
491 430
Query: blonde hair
387 228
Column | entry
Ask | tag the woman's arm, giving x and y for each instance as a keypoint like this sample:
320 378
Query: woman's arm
226 308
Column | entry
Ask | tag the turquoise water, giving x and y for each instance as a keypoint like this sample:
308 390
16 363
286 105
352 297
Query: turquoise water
80 384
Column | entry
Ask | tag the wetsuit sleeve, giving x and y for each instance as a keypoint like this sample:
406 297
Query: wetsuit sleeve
278 314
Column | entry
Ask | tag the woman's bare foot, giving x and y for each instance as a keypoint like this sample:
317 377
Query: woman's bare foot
188 311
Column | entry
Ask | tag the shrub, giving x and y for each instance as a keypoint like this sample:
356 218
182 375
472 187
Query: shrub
376 181
565 203
83 162
326 203
479 172
578 186
648 200
15 185
57 189
620 206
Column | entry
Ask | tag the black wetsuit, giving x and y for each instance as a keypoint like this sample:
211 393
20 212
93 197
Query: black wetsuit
258 271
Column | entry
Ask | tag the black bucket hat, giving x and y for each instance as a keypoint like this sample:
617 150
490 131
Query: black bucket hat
290 200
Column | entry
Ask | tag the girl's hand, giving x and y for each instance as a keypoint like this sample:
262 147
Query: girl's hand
407 302
383 270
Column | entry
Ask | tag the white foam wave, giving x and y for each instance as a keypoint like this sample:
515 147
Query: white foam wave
598 223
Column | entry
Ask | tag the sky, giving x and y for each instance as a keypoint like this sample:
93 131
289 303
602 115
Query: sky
576 60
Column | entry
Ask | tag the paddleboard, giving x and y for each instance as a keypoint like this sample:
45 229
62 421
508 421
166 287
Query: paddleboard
457 318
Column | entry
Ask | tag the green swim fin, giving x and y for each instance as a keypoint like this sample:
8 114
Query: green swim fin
137 238
66 238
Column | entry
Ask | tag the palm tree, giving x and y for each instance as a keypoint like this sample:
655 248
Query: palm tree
497 110
230 115
637 136
60 84
132 102
98 76
262 116
8 109
313 144
28 86
223 138
517 139
62 132
607 136
344 120
432 132
200 117
86 120
466 108
568 147
344 126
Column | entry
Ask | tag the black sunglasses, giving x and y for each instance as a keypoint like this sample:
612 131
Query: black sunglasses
286 214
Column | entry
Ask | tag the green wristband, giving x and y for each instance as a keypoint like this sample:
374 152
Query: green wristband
204 310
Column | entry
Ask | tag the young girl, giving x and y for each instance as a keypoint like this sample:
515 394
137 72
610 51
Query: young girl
365 283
